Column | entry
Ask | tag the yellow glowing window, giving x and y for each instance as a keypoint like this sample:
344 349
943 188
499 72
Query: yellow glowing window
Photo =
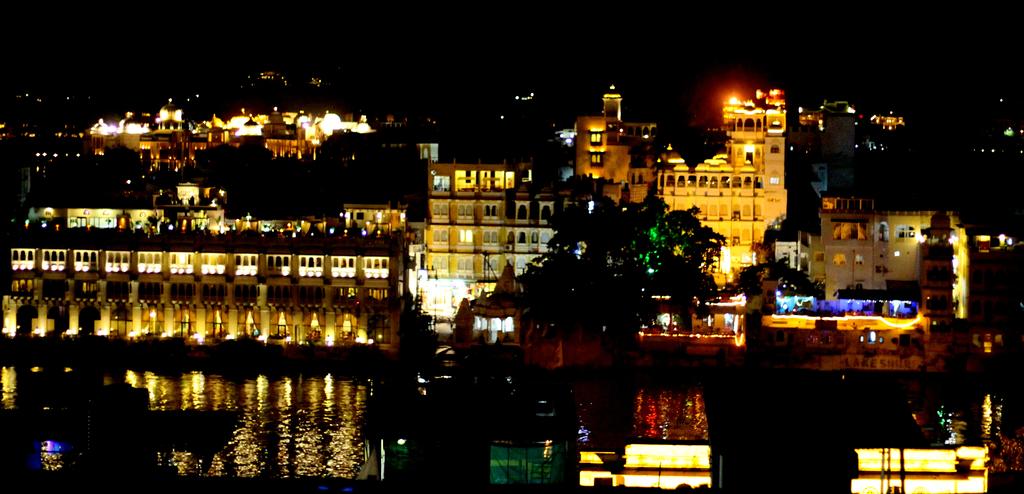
596 138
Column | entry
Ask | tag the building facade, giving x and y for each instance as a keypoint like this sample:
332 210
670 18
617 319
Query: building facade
480 217
742 192
317 289
865 249
606 147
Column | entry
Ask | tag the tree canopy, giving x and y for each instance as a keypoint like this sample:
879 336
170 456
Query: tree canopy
609 265
791 281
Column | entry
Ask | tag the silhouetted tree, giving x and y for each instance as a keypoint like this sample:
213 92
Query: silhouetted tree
418 340
606 264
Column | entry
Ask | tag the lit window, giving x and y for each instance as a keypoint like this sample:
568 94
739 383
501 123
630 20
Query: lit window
905 231
442 183
596 138
773 180
839 259
596 159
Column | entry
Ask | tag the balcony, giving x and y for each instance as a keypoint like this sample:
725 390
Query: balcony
343 272
245 271
370 273
311 272
149 268
23 265
181 269
117 267
212 269
54 265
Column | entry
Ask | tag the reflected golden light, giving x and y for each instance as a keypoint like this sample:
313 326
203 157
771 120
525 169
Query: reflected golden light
8 387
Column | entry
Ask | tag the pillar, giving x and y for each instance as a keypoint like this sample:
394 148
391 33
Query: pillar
233 322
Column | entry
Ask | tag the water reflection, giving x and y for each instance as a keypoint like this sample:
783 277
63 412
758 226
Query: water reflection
8 387
614 411
954 412
291 426
670 413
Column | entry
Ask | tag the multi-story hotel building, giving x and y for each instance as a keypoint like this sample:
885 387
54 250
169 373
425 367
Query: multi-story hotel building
865 249
311 286
741 192
480 217
606 148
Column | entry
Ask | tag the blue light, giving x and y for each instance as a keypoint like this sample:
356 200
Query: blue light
50 446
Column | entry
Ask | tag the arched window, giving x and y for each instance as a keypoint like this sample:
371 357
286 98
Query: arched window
736 182
748 124
714 182
511 238
747 183
670 181
545 212
703 181
522 237
534 238
521 212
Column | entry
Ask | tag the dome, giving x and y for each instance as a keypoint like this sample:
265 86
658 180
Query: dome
275 117
672 156
170 112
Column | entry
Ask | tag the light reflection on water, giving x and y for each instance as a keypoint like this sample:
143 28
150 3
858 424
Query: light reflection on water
312 425
611 412
290 426
8 387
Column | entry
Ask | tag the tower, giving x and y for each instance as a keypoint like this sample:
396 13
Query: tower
612 104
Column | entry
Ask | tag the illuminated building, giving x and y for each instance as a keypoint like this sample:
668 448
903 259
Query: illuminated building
605 147
168 141
480 217
658 465
989 264
741 192
867 249
310 283
888 122
918 470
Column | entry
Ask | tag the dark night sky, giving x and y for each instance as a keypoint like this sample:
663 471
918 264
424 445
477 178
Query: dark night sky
665 62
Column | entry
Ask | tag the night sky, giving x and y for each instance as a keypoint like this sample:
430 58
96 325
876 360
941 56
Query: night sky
667 63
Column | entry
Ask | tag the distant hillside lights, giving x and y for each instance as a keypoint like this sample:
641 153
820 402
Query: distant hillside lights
168 139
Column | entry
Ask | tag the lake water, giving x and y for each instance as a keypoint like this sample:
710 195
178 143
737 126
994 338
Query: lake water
312 425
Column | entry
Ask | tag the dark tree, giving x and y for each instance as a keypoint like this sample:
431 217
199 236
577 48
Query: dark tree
607 264
418 340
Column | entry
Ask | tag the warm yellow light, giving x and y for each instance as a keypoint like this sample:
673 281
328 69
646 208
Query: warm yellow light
726 260
668 455
330 123
590 458
888 321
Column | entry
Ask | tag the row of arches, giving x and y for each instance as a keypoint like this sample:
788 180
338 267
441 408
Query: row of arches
307 325
57 319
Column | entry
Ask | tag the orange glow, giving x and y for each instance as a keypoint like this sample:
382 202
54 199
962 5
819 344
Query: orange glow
888 321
